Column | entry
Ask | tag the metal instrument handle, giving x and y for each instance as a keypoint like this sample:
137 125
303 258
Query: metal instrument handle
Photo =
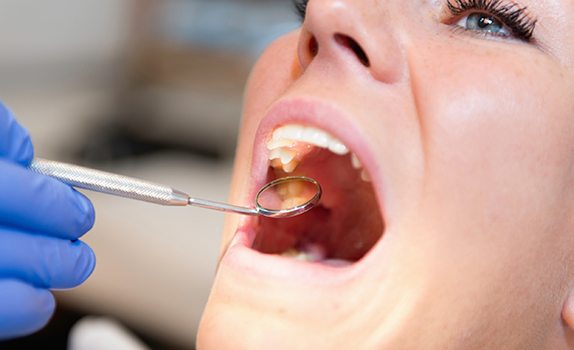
118 185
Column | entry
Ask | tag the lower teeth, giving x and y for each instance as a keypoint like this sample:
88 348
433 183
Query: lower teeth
309 253
314 253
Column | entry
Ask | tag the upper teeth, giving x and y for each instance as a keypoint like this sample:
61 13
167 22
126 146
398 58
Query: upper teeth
355 161
283 144
286 135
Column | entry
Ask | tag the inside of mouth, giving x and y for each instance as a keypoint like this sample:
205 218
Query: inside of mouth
345 225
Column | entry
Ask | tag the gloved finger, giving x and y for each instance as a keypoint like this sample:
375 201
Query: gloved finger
41 204
15 143
43 261
23 309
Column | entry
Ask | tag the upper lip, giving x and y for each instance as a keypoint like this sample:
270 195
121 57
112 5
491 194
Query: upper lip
310 112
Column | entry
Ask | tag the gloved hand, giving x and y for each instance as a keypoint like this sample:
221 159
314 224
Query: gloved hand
41 220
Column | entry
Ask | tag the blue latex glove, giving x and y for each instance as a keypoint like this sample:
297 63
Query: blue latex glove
40 222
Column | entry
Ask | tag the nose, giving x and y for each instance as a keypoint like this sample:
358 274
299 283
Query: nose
340 31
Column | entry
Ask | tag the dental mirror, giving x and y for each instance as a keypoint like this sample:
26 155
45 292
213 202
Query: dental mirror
282 198
288 197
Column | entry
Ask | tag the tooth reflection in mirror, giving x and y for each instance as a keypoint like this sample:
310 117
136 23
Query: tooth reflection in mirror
288 196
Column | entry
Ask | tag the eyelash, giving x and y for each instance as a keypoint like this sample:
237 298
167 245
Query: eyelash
511 15
301 8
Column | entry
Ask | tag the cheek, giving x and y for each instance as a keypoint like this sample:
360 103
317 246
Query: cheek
497 122
498 138
274 72
498 143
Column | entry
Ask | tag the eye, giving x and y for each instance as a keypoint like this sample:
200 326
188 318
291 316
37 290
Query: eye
483 22
502 18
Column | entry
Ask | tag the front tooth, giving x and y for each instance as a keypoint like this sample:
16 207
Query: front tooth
291 132
287 135
338 147
356 162
316 137
280 143
285 139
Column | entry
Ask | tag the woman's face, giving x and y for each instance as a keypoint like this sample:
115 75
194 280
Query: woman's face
459 233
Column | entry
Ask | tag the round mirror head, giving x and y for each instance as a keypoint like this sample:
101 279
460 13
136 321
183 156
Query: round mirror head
288 196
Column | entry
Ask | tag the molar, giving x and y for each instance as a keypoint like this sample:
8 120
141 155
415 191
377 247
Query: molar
364 176
289 132
356 162
279 143
317 137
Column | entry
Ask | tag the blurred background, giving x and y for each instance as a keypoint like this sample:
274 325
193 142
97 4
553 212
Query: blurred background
146 88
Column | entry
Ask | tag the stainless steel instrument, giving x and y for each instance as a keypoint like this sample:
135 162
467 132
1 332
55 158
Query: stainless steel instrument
276 199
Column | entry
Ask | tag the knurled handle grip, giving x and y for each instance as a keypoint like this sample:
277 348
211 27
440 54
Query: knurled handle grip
101 181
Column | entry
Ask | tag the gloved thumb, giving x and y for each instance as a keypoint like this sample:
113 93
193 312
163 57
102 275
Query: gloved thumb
15 142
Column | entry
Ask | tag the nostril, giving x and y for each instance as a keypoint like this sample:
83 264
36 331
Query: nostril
313 47
354 46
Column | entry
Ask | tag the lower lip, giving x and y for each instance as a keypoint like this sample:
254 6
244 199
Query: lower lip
241 258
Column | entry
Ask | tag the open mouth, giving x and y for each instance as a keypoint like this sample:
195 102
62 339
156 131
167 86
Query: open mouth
346 224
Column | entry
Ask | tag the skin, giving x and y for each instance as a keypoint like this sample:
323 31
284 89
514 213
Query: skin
474 139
